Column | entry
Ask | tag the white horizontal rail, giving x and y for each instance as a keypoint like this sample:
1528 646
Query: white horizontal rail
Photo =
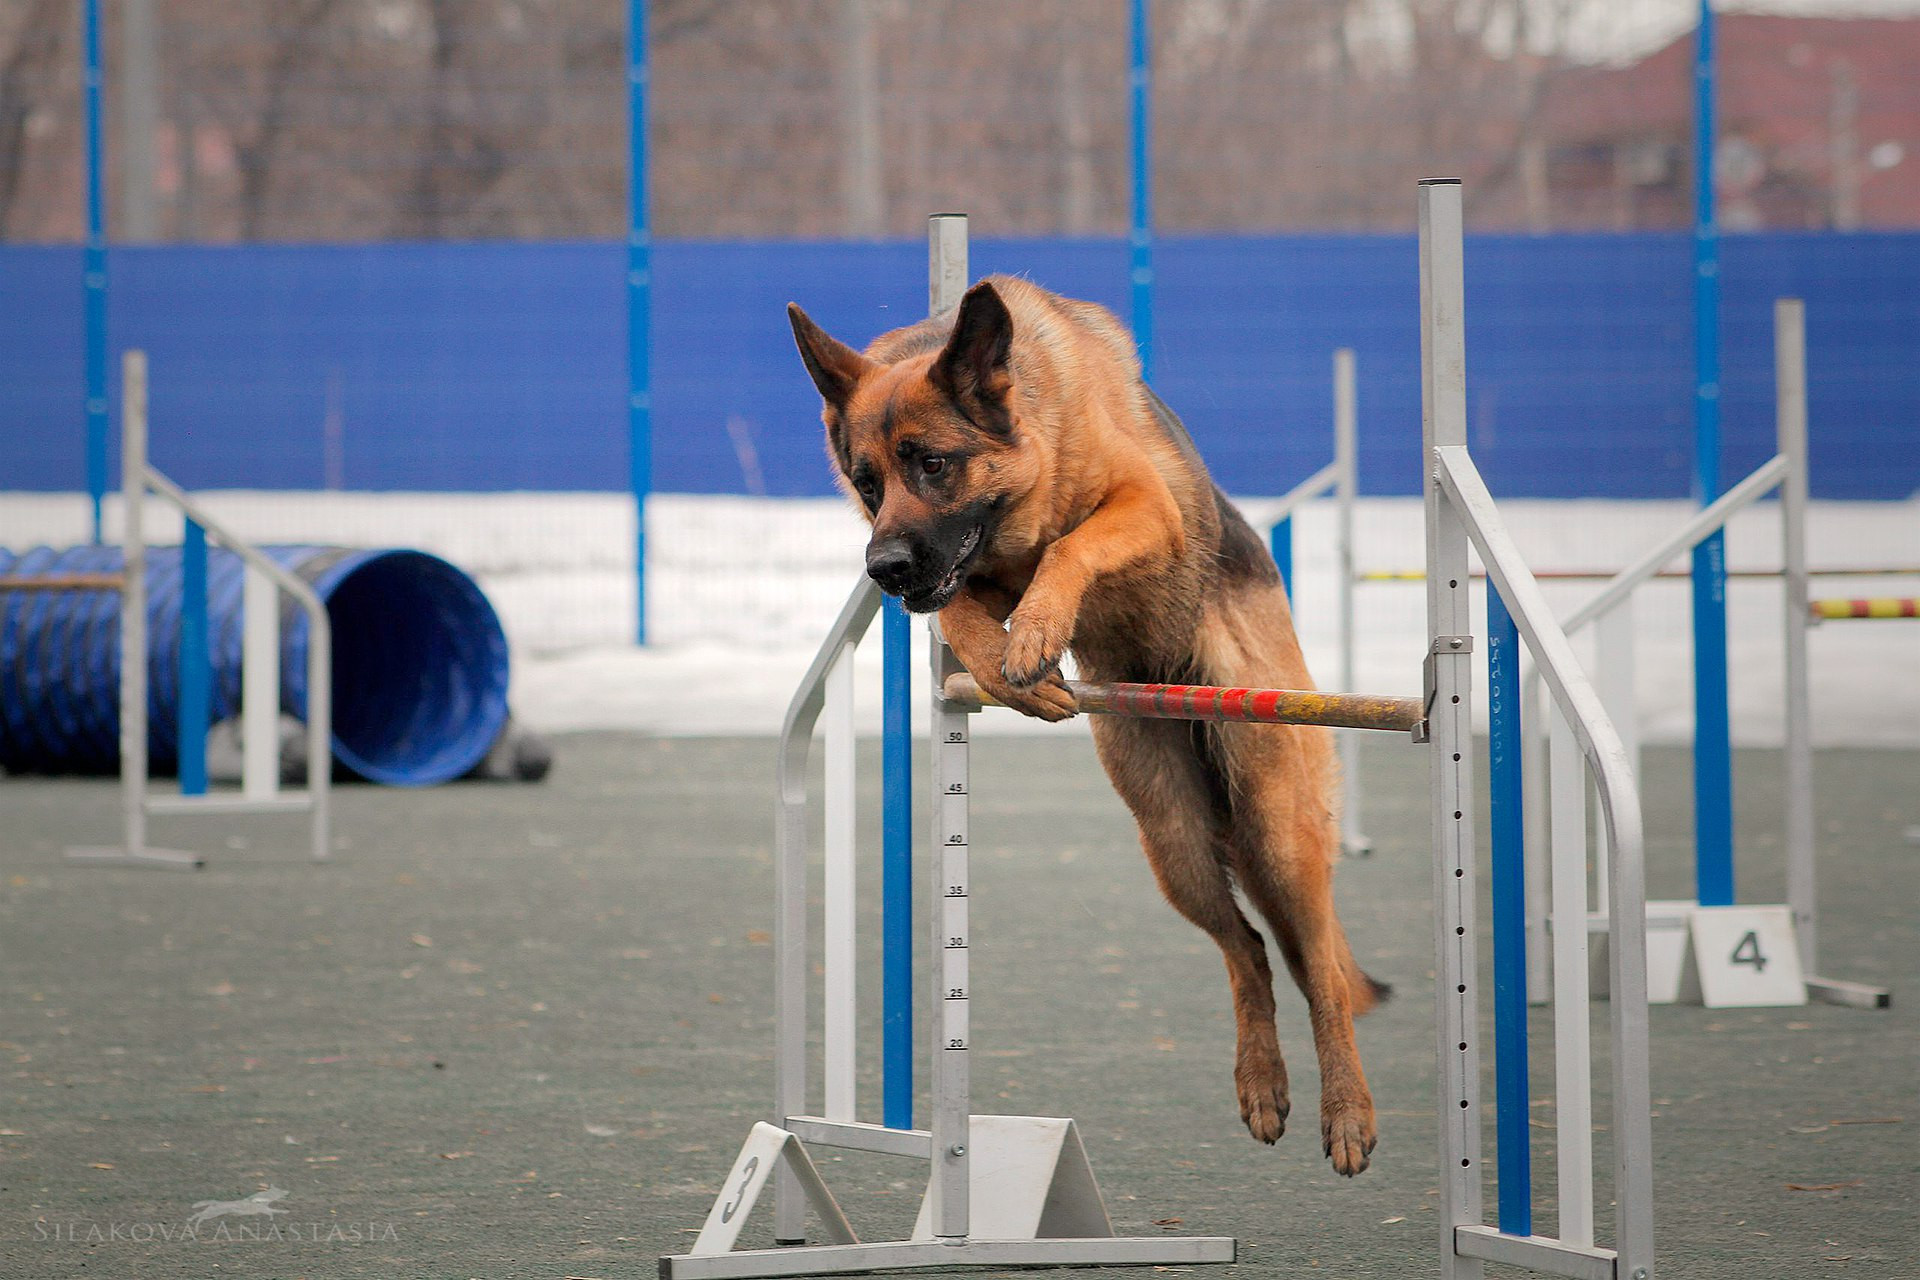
282 802
1306 491
1696 530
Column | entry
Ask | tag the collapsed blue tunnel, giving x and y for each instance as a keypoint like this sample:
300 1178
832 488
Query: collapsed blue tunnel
419 660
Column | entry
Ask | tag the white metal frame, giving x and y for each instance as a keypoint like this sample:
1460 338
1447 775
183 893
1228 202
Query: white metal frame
1558 817
1342 478
260 677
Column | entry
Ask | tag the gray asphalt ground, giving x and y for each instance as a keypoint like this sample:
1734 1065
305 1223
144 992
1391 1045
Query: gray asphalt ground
521 1031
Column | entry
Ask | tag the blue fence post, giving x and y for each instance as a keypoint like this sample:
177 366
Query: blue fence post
896 867
93 272
196 665
1712 744
639 306
1140 82
1507 835
1280 539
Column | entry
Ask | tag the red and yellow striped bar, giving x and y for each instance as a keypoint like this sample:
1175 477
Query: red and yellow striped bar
1212 702
1881 607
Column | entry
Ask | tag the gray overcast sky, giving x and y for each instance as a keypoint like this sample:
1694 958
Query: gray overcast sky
1603 29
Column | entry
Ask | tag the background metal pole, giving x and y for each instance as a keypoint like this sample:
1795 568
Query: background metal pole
896 867
1346 491
133 602
94 271
1712 745
639 306
1508 838
1790 410
1280 542
139 94
1140 84
195 670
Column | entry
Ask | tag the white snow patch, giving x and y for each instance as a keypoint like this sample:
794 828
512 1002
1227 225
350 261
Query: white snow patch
742 591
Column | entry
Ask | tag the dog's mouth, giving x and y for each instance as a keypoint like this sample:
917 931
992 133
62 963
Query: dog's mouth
937 596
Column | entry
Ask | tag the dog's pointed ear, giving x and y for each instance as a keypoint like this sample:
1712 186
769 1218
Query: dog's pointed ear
836 368
974 369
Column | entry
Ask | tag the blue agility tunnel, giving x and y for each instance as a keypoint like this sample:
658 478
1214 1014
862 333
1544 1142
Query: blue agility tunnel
419 660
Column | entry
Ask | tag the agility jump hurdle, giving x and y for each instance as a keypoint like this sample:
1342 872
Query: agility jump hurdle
260 679
1017 1191
1556 813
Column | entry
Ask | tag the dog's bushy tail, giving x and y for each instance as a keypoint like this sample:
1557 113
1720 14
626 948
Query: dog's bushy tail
1364 990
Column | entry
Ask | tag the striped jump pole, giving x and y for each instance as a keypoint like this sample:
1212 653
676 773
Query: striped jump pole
1879 607
1215 702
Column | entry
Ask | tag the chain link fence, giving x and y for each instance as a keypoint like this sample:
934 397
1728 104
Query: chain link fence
356 120
302 122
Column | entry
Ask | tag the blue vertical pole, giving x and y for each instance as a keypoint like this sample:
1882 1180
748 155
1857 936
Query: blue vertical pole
1712 743
639 306
1281 540
1507 833
896 867
94 272
1141 84
196 671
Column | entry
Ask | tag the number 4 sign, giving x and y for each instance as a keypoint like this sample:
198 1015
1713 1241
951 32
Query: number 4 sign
1746 957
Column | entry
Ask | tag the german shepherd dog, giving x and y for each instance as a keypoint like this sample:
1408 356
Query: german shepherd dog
1022 480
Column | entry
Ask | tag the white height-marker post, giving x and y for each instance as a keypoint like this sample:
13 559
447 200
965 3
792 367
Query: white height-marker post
1443 404
952 936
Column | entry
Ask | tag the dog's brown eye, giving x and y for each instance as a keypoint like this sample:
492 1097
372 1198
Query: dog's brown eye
933 464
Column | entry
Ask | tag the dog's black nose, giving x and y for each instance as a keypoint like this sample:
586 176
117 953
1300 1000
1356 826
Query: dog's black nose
889 563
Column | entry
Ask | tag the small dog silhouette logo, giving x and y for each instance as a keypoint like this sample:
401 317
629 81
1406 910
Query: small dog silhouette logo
259 1204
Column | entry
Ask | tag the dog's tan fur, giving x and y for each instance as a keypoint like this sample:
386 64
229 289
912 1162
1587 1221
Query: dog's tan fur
1104 536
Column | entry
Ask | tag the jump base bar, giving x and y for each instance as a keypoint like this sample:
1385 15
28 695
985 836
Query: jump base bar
1212 702
858 1259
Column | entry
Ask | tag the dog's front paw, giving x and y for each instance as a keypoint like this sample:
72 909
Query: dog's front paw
1048 700
1347 1134
1035 646
1263 1102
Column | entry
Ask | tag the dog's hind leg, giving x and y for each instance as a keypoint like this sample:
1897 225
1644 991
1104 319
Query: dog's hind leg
1155 767
1283 839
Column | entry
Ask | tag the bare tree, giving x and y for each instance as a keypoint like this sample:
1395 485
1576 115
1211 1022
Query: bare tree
288 48
26 67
